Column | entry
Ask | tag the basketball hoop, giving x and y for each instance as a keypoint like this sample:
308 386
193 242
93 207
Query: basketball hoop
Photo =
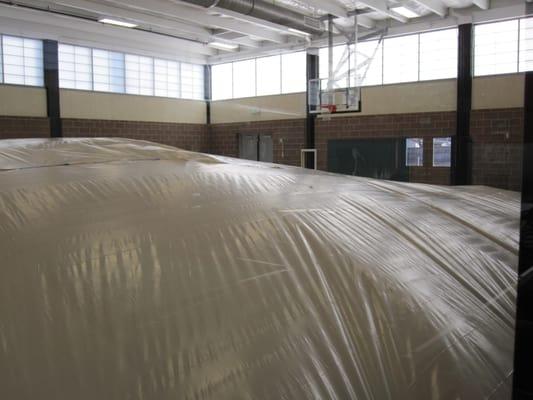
332 108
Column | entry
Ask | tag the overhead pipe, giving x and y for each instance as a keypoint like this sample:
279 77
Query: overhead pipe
262 9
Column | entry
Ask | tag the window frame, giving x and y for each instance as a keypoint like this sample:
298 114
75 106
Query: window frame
407 164
254 59
90 73
474 52
24 75
198 95
433 164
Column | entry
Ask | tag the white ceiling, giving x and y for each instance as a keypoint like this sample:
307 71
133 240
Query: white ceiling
178 30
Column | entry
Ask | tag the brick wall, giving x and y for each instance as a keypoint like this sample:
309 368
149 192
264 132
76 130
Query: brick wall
186 136
24 127
497 147
496 138
420 125
288 138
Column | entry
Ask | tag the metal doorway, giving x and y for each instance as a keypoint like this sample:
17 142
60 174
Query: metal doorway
256 147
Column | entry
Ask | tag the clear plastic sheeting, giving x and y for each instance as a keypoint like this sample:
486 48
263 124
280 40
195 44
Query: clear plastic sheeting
132 270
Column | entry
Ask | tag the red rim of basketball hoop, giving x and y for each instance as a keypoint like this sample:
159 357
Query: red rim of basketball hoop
330 107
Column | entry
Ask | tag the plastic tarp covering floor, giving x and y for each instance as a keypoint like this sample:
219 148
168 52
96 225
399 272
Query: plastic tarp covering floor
132 270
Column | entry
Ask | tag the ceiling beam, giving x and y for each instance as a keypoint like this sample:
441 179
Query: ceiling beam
259 23
435 6
227 36
381 7
200 33
516 8
47 25
200 17
329 6
483 4
140 18
366 22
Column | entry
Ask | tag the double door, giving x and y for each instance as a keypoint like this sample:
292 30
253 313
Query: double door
256 147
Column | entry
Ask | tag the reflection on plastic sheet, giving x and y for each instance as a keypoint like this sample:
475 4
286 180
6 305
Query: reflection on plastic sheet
131 270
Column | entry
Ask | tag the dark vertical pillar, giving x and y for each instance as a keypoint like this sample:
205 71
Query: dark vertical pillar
51 83
461 144
523 359
207 92
312 73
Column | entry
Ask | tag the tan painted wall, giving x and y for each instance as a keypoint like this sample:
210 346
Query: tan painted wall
390 99
22 101
409 97
264 108
110 106
504 91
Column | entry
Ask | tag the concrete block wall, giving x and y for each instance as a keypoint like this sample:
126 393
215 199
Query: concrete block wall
186 136
24 127
414 125
288 138
497 137
390 111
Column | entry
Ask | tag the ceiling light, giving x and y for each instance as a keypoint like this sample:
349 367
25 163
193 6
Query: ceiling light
299 32
405 12
223 46
116 22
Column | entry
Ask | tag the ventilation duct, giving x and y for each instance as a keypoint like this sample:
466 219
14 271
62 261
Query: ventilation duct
263 10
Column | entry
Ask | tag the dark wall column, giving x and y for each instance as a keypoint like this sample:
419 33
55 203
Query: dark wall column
51 83
461 169
523 361
207 92
312 73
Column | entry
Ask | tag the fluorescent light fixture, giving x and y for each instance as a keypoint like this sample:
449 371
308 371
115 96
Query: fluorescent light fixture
223 46
299 32
405 12
116 22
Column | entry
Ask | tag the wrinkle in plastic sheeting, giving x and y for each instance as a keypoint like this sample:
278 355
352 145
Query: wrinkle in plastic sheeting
132 270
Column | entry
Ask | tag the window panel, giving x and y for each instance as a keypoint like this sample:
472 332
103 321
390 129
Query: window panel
22 61
13 46
496 48
293 72
75 67
33 80
198 82
244 78
13 60
268 75
192 81
222 81
414 152
438 54
526 45
139 75
1 62
14 76
166 78
83 68
108 71
371 54
400 59
442 152
341 65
